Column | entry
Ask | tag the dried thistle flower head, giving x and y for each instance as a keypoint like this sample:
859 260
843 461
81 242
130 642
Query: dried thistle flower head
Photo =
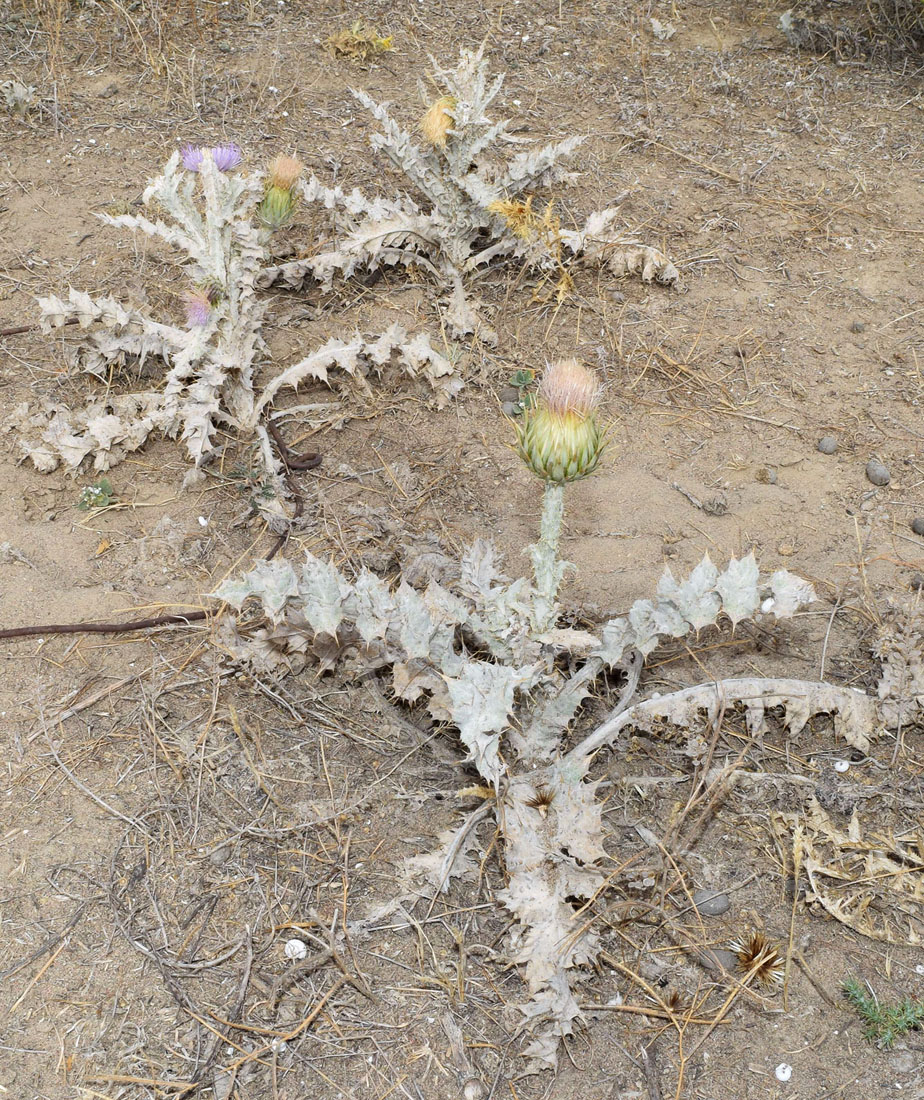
560 439
541 800
283 172
360 42
758 955
278 203
437 122
518 214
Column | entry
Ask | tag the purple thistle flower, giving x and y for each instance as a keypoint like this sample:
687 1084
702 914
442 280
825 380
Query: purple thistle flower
198 308
226 156
192 156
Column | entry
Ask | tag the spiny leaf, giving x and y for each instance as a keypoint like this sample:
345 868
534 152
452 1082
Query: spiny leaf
272 582
738 588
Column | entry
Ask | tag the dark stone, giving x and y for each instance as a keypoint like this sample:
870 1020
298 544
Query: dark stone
711 903
877 472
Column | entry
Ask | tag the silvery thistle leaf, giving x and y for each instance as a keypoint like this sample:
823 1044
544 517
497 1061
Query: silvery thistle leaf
413 623
695 598
323 590
641 619
789 593
481 701
738 588
371 606
273 582
616 636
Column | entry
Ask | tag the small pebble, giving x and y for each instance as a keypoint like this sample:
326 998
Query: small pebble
766 475
725 958
877 473
841 765
827 445
511 408
783 1071
917 525
711 903
917 582
296 949
857 326
508 393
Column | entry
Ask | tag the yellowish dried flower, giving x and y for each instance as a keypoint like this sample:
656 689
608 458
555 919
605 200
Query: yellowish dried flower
560 439
360 42
519 216
438 120
283 172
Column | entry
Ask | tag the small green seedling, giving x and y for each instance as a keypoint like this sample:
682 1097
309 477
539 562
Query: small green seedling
99 495
525 380
884 1023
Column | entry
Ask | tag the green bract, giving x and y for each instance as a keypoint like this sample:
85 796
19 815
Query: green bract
559 448
277 207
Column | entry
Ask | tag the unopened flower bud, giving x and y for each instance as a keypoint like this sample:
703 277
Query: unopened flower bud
560 439
276 207
437 122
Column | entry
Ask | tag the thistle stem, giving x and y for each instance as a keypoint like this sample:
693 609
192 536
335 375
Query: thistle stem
547 569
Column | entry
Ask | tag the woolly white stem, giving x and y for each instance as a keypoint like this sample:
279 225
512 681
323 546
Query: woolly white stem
547 569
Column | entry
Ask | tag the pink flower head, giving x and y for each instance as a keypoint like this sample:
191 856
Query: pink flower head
226 156
192 156
569 387
198 307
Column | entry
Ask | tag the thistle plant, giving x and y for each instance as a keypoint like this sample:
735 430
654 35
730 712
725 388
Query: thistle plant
19 97
220 219
491 659
463 211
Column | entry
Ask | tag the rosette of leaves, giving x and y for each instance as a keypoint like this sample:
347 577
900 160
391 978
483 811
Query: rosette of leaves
462 212
492 660
220 222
